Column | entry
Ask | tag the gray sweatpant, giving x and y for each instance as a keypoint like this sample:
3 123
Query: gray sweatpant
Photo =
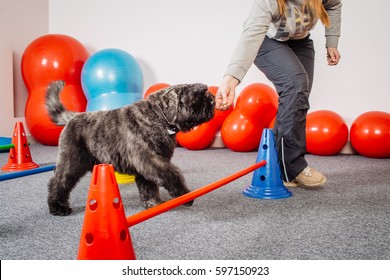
290 67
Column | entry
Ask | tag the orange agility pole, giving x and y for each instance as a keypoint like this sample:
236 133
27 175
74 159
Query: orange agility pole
166 206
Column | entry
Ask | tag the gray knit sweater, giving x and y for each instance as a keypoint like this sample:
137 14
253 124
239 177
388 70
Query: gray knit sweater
265 20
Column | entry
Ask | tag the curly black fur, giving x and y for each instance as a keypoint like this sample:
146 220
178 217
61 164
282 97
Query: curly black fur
137 139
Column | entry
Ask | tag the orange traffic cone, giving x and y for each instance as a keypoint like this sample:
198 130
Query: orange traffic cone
19 155
105 234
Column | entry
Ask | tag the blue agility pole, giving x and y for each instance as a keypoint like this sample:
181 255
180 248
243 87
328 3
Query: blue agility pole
17 174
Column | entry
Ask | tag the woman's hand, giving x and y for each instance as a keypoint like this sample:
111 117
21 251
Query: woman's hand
333 56
226 92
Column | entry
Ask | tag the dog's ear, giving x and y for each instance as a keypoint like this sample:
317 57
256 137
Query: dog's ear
169 100
199 88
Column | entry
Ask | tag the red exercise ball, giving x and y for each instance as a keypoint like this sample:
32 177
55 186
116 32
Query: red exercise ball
48 58
272 123
219 116
255 108
154 88
241 134
326 133
198 138
259 102
370 134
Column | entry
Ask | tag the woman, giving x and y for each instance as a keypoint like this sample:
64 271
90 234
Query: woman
276 38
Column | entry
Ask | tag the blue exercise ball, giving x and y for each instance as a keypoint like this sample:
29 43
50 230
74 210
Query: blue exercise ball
111 78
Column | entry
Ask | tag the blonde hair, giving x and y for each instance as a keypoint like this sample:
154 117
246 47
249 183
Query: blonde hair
313 5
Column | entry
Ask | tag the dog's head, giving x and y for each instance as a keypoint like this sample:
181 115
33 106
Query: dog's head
186 105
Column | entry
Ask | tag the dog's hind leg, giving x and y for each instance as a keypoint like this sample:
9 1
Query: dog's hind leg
68 172
148 192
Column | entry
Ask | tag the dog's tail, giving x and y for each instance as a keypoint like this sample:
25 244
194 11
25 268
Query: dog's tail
56 110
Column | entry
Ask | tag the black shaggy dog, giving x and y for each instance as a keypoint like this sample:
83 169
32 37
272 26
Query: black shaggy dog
137 139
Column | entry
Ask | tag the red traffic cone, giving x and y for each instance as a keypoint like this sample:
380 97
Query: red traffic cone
105 234
19 155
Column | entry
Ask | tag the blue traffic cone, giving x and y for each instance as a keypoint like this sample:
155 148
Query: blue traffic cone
267 181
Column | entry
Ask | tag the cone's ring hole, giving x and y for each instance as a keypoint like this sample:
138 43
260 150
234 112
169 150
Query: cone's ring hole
265 147
116 203
262 178
89 238
123 235
93 204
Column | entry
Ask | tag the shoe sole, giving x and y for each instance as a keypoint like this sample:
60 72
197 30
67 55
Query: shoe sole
291 184
316 185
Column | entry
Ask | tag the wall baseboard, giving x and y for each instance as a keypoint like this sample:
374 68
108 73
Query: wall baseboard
218 143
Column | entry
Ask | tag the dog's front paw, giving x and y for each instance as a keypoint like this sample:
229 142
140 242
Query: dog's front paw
58 209
151 203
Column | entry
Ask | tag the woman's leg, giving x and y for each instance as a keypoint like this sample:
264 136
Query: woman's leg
304 50
290 69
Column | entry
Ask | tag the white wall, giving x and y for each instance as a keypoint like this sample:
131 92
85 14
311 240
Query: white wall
21 21
174 41
178 41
